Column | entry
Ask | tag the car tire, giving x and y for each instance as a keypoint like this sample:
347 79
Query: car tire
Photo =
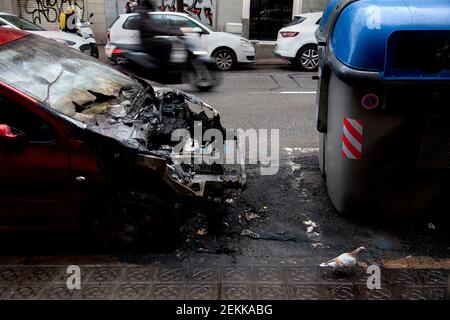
225 59
134 221
307 58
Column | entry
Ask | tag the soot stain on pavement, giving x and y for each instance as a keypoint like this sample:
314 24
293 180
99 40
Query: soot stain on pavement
283 208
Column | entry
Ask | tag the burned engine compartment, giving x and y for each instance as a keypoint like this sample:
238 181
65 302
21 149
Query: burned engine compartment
143 122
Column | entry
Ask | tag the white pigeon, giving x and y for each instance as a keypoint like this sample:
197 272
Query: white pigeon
345 260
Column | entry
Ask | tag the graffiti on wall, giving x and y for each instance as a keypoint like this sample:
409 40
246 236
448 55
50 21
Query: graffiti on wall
203 10
48 11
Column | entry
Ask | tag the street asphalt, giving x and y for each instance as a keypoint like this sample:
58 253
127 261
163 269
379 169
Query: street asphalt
272 238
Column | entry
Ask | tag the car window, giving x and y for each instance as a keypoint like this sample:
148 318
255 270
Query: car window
22 23
18 118
2 23
131 23
180 22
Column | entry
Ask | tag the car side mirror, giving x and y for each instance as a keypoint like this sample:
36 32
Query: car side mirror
8 137
197 30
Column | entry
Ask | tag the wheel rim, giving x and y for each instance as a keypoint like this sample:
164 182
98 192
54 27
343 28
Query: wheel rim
224 60
309 59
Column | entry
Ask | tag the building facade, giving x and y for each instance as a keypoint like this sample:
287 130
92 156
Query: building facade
260 19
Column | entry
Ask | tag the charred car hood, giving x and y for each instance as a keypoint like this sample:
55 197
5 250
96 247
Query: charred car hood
141 121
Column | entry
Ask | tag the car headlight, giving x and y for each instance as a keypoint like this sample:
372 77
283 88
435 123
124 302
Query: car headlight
245 43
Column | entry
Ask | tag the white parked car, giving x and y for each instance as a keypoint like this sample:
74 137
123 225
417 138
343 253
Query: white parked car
226 48
297 41
8 20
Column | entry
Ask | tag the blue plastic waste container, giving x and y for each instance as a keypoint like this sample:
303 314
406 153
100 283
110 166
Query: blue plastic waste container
384 106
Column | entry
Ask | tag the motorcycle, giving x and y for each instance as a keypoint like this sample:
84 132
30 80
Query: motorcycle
83 29
187 64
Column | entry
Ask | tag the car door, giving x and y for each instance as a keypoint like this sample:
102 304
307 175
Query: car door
128 33
34 169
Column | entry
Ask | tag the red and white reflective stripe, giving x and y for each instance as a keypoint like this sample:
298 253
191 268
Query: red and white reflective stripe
352 138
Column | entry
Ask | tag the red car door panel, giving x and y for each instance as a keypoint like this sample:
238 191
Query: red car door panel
33 174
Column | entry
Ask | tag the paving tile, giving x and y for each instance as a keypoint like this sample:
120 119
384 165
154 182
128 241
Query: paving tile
436 293
171 274
167 291
382 294
401 278
305 292
204 274
268 274
236 291
97 291
59 291
406 293
5 291
340 292
202 291
11 274
300 274
138 274
106 274
437 278
132 291
29 291
271 292
236 274
41 274
421 293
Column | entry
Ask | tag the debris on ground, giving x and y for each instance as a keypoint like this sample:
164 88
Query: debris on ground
249 216
431 226
344 261
229 201
250 234
311 225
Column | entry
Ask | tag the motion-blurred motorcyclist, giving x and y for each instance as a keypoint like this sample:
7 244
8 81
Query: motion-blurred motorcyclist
151 32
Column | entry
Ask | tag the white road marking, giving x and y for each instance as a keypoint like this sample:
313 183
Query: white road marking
290 151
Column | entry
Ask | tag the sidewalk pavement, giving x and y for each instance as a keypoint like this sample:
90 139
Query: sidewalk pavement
264 280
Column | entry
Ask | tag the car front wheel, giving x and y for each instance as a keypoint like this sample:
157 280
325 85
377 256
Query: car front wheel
130 221
225 59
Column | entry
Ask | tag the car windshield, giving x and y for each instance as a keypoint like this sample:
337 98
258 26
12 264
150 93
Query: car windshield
62 78
21 23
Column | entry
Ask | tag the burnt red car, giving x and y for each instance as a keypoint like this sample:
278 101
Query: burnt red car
82 144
